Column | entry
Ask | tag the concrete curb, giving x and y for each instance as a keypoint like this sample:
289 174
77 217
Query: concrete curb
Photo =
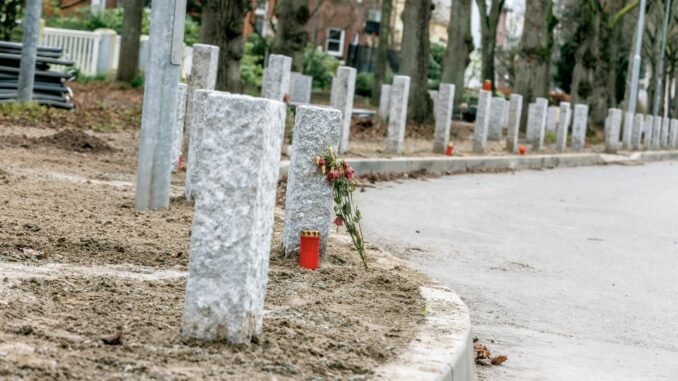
451 165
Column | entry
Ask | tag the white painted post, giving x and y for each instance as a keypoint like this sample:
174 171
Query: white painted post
159 113
444 104
308 199
233 219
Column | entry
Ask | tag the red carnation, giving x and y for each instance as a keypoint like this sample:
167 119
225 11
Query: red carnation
339 221
348 171
332 176
321 161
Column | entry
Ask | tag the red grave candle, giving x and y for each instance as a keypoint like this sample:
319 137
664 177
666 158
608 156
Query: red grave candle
309 249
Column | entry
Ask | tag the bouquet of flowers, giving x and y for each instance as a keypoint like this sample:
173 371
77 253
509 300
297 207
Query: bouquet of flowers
340 176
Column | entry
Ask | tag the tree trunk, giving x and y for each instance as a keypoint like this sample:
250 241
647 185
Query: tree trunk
291 36
459 47
489 21
414 58
128 61
222 25
382 50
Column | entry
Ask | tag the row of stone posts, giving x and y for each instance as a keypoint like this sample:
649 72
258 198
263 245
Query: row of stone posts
641 131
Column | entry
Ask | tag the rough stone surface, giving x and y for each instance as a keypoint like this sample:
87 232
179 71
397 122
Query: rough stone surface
197 126
563 126
515 111
441 136
539 127
673 135
343 90
506 109
664 138
29 51
434 99
276 79
627 133
384 102
482 121
233 220
637 136
648 124
494 128
579 125
397 117
204 66
182 92
300 88
612 130
159 114
656 132
529 133
308 200
552 118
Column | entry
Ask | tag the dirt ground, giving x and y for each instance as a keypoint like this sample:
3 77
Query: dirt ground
90 288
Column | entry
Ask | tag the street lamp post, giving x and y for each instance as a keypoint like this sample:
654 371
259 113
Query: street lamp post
660 72
635 73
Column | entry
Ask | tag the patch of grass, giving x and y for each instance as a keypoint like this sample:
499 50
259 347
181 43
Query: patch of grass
81 78
25 113
550 137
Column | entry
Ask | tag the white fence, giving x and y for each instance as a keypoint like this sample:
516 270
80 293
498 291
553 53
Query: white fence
97 53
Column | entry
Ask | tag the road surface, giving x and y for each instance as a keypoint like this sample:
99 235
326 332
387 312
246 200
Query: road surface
571 273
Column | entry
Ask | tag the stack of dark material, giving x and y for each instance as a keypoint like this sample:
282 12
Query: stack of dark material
49 88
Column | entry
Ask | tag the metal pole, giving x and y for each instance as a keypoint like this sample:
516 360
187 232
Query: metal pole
660 72
635 74
29 51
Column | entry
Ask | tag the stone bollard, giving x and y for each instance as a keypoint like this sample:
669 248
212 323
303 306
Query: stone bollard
627 133
397 116
433 94
505 115
308 200
539 126
496 116
441 136
204 66
552 118
300 88
664 138
233 219
515 111
343 90
636 137
182 93
648 124
612 130
673 135
563 126
276 80
529 133
29 50
384 102
656 132
482 121
579 125
197 125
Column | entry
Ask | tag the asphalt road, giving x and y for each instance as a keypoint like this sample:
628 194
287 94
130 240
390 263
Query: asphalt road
571 273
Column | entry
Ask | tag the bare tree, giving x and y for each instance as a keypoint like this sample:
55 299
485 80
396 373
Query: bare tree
291 36
222 25
459 46
414 57
382 49
128 62
489 22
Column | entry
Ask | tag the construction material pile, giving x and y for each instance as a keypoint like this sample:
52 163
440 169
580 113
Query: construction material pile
48 88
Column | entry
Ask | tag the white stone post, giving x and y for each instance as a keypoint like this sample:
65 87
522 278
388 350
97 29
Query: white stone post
276 79
494 127
673 135
433 94
539 126
182 93
300 88
648 124
515 111
308 200
627 132
563 126
384 102
505 114
664 139
159 110
196 125
343 91
233 219
656 132
482 121
204 66
29 50
636 138
579 125
529 133
612 130
552 118
397 116
445 102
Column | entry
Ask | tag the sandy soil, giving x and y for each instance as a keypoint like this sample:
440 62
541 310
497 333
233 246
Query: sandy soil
92 289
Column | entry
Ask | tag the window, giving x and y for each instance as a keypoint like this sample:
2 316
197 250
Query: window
335 42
